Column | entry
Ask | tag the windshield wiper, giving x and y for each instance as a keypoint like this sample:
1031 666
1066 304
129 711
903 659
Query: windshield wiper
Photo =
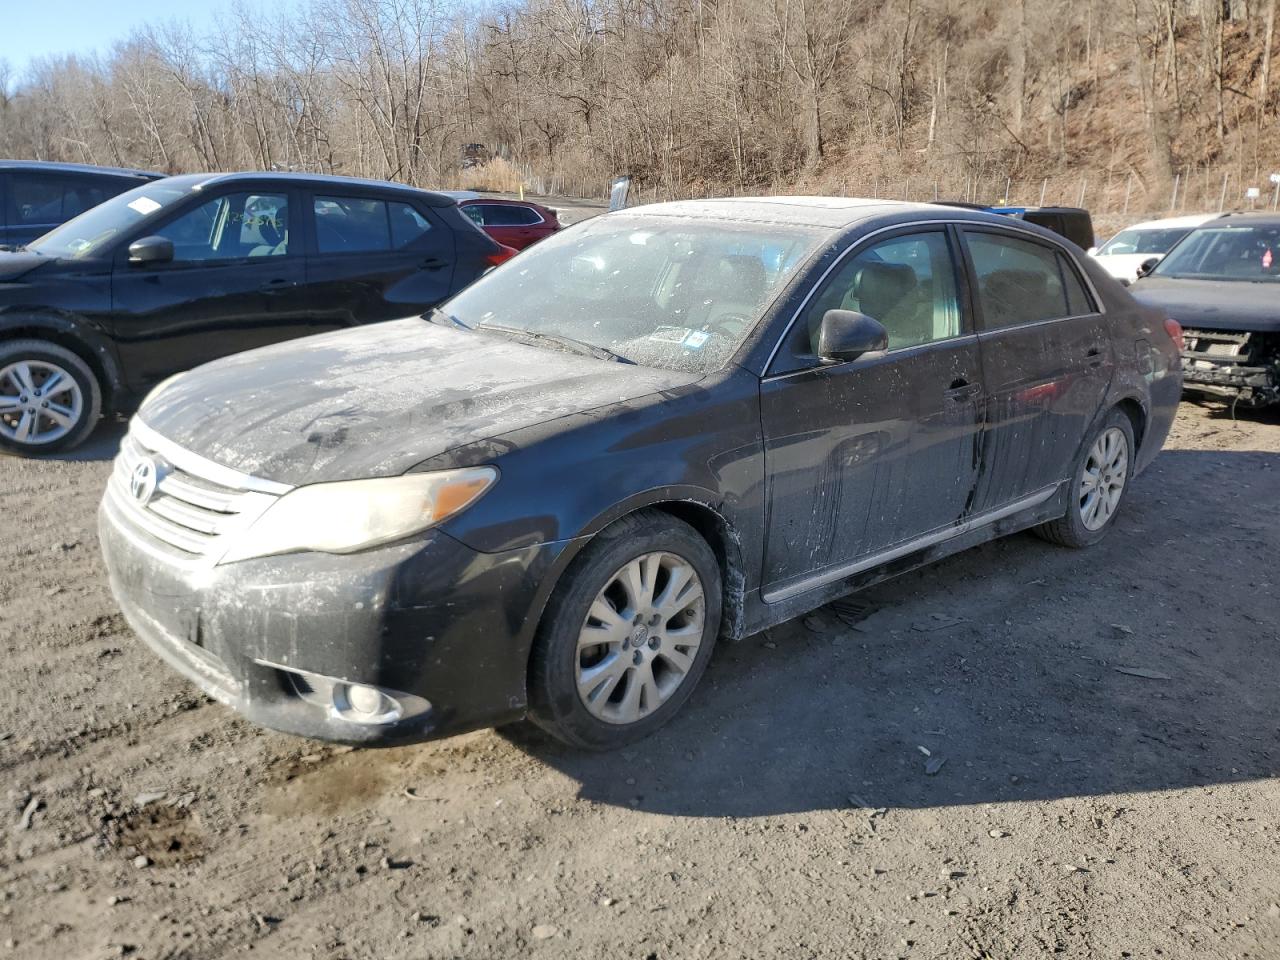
577 346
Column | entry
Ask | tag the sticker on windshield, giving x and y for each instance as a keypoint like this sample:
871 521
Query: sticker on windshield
144 205
670 334
696 339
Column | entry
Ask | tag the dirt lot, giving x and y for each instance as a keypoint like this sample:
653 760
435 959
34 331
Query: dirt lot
1081 810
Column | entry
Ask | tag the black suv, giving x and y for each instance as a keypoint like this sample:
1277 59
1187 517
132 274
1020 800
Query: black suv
36 196
191 268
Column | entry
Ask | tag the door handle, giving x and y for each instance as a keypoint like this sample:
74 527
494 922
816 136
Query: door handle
434 263
279 283
1095 356
962 389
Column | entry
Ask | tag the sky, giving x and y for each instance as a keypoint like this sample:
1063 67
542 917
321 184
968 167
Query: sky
37 28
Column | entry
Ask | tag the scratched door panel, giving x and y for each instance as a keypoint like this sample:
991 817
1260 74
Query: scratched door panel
863 455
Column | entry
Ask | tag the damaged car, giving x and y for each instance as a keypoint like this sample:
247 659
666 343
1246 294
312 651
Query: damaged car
665 426
1221 284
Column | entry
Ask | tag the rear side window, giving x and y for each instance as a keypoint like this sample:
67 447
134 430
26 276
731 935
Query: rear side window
351 225
502 215
35 200
1020 281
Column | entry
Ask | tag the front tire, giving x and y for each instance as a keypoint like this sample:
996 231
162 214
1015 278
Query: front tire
627 635
1098 485
49 398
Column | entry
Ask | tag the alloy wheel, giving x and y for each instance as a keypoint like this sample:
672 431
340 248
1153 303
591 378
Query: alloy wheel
1103 480
640 638
40 402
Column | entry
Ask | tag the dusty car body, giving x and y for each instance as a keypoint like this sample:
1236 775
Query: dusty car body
703 430
1220 283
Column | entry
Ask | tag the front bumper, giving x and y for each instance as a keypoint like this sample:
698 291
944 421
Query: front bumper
1224 364
429 617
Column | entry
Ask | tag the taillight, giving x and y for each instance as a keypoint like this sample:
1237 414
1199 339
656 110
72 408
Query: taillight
503 254
1174 329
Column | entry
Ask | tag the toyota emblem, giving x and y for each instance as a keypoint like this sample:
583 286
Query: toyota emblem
143 480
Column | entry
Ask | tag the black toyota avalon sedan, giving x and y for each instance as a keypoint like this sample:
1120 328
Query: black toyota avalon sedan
187 269
551 495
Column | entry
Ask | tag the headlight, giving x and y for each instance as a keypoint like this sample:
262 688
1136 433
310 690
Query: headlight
358 514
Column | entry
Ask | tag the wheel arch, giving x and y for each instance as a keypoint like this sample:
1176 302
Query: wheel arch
90 346
698 508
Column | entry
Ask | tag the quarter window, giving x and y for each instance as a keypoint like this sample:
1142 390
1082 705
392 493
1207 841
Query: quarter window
1020 281
908 283
231 227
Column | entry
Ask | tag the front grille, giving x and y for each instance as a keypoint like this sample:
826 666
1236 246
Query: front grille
196 505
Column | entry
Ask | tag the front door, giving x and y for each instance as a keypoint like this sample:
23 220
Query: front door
873 453
1047 363
234 283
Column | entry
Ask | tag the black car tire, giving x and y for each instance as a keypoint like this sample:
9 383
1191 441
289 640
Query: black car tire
554 702
1070 530
42 351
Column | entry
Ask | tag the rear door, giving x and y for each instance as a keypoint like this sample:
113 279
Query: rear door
233 284
375 257
1047 361
868 455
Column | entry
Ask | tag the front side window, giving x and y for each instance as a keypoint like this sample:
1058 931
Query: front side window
351 225
1019 281
230 227
660 291
1242 253
908 283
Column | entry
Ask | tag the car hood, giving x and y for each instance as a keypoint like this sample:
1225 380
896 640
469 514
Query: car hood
15 264
1214 304
378 400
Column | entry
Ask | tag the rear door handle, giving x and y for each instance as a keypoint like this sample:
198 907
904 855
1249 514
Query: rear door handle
962 389
434 263
279 283
1095 356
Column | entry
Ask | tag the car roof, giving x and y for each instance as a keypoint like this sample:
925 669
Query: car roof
203 181
49 166
1190 220
831 212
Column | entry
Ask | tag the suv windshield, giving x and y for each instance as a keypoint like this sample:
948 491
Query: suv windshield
662 292
1226 253
1153 242
87 234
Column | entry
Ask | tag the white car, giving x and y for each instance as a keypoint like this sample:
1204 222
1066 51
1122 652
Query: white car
1123 254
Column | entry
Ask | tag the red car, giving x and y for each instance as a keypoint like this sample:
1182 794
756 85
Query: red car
516 223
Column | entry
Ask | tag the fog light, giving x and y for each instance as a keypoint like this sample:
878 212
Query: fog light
366 700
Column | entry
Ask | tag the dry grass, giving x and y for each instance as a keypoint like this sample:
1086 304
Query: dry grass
496 176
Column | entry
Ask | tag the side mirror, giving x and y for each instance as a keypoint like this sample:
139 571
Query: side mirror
847 335
150 250
1148 265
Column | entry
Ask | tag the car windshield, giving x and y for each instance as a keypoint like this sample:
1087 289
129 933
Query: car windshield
1226 253
672 293
87 234
1153 242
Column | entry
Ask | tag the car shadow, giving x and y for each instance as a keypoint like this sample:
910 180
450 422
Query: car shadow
1026 671
102 444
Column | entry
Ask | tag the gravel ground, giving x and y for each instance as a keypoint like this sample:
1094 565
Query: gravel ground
1080 809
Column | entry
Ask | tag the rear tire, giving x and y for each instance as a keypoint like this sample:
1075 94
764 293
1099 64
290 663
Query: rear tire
627 635
49 398
1098 485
